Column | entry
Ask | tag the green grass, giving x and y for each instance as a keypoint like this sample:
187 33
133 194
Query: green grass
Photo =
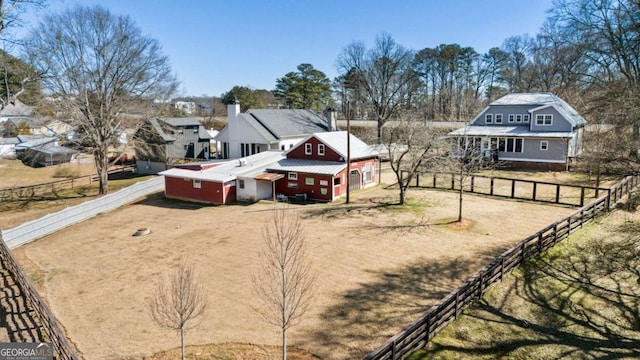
581 299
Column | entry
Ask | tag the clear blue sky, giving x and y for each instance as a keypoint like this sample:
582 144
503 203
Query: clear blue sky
214 45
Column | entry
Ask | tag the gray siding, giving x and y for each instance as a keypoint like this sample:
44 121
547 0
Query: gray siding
531 151
559 123
182 148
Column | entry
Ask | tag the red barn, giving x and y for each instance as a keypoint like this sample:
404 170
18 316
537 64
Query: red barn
316 167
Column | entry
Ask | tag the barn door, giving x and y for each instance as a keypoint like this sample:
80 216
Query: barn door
355 181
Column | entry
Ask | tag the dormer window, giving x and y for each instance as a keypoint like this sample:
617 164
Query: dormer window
488 119
518 118
544 119
307 149
321 149
526 118
498 118
511 118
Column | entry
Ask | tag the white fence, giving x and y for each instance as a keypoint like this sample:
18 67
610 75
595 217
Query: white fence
51 223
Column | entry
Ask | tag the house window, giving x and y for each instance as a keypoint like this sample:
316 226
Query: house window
196 183
544 119
241 184
293 176
321 149
281 147
512 118
511 145
195 130
185 147
498 118
518 118
367 172
336 181
544 145
307 149
488 119
180 131
309 181
526 118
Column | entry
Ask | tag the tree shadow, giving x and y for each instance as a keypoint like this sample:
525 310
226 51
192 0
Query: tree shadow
580 302
370 313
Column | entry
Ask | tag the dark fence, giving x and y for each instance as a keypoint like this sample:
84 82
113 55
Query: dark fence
417 334
547 192
61 347
33 191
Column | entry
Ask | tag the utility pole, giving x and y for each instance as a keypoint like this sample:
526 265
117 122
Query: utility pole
348 149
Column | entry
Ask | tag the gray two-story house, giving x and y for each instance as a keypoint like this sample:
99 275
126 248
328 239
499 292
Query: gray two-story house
164 141
533 130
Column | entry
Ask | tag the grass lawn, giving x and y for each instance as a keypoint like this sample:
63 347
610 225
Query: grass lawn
580 300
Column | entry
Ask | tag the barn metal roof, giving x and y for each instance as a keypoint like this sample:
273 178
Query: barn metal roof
308 166
337 140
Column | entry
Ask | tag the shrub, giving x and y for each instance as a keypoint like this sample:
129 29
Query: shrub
66 172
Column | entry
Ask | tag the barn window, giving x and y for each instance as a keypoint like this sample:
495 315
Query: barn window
336 181
241 184
196 183
307 149
367 170
293 176
321 149
309 180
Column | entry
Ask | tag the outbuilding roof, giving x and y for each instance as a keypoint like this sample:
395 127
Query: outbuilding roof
230 170
309 166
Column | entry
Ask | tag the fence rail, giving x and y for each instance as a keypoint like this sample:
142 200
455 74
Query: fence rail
51 223
417 334
31 191
62 349
540 191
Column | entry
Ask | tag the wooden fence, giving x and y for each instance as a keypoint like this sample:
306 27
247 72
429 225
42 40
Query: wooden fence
33 191
61 347
548 192
417 334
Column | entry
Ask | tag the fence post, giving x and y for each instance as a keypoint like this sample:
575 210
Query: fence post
427 327
473 178
557 193
457 300
535 188
453 181
582 196
513 188
501 267
434 180
393 349
555 233
539 242
418 180
491 187
608 200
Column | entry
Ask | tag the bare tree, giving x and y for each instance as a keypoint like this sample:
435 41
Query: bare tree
11 12
384 73
412 147
180 303
284 285
470 157
100 66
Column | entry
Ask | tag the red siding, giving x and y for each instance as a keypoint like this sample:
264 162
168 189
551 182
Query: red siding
209 191
298 152
313 191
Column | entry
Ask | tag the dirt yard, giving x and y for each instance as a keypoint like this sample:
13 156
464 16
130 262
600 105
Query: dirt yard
378 268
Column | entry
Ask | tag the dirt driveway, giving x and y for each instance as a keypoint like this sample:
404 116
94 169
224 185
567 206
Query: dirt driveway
378 267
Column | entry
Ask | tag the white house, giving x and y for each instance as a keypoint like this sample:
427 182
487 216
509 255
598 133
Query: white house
259 130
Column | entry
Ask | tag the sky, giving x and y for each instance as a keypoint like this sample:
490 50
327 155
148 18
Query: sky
214 45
